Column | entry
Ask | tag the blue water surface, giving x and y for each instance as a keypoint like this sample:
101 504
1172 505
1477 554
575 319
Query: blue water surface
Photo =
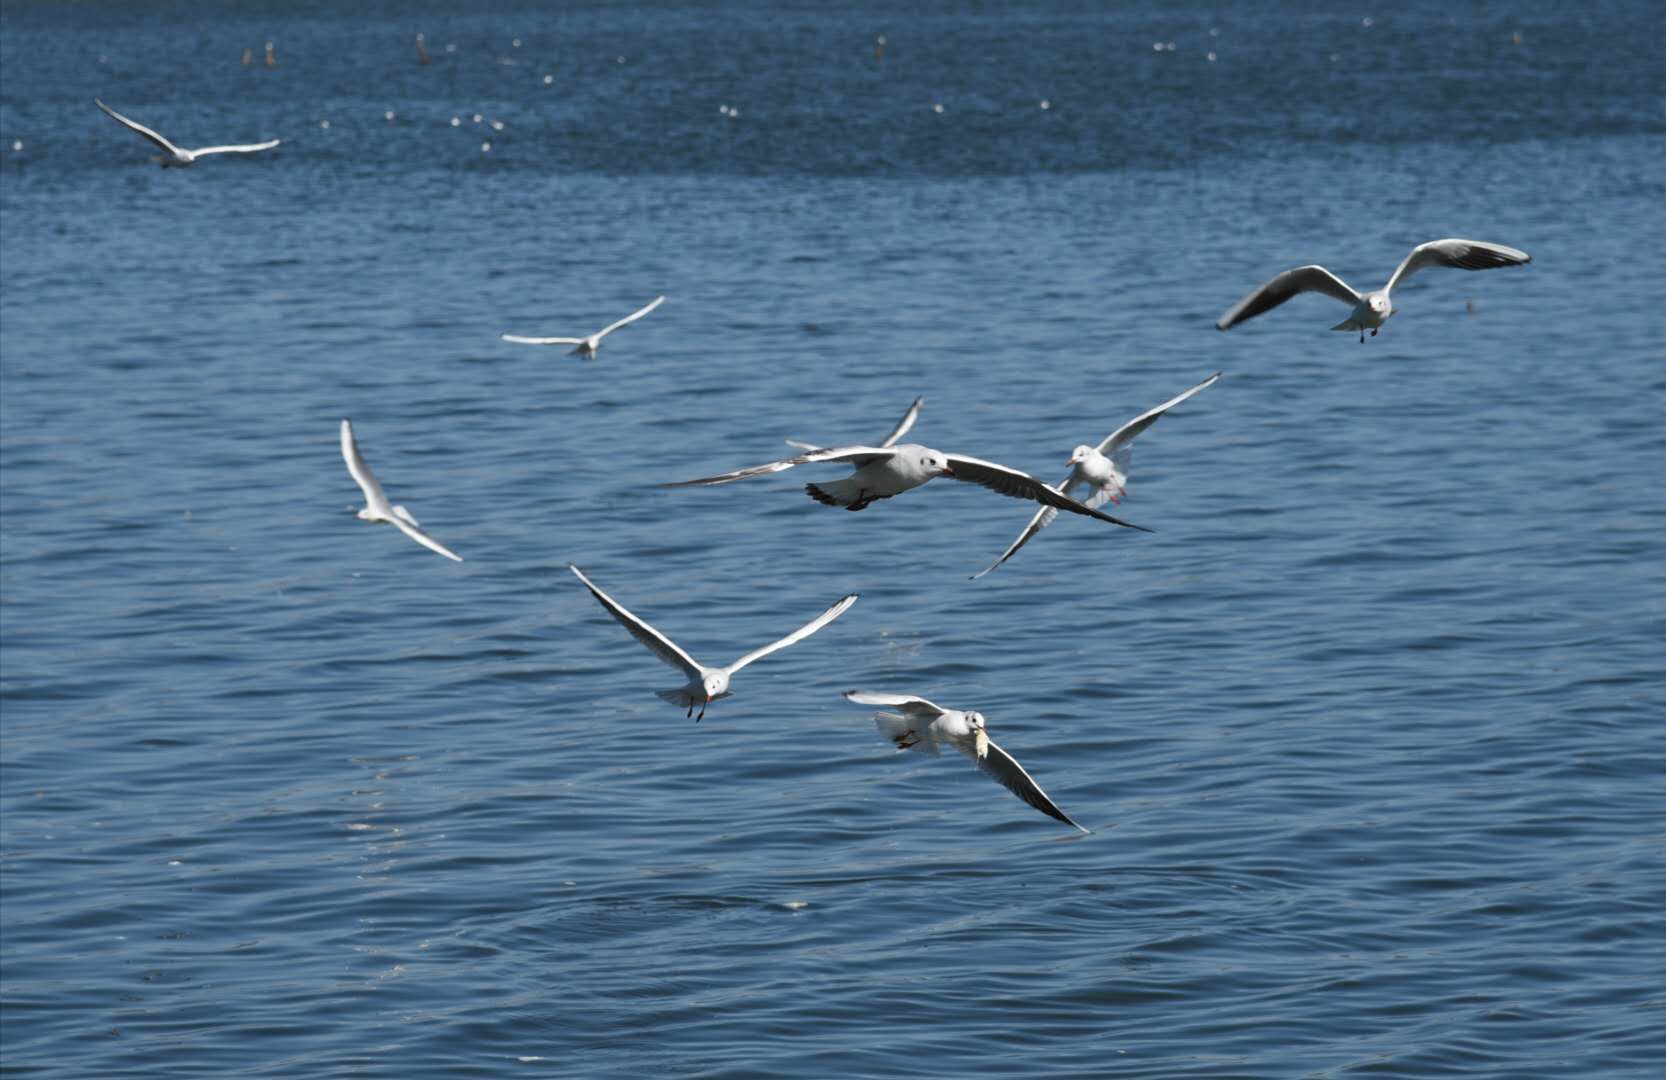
1370 731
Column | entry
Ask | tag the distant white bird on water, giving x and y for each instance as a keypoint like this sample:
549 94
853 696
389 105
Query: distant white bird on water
882 472
705 684
1102 469
925 727
178 155
897 432
587 345
1371 310
377 507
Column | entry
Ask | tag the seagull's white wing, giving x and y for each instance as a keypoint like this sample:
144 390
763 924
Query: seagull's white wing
136 126
797 635
905 423
1019 485
245 148
361 473
660 645
855 455
917 707
1459 254
1040 520
1125 434
1004 768
409 529
1283 287
517 339
632 317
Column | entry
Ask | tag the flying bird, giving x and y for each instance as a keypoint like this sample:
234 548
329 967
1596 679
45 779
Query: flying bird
586 345
882 472
1371 310
178 155
377 507
925 727
897 432
705 684
1102 470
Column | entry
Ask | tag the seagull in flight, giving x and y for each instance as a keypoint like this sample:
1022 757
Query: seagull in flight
925 727
897 432
882 472
587 345
178 155
1102 469
1371 310
705 684
377 507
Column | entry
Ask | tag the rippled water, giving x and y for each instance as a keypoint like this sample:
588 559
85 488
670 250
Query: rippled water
1369 731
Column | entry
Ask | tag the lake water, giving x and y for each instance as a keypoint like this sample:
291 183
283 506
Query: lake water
1370 731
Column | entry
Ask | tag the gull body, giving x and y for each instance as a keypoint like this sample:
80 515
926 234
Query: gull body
897 432
883 472
1101 471
377 507
1368 311
705 684
920 725
587 346
179 156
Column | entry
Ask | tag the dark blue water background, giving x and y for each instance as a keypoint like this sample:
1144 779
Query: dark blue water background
1369 731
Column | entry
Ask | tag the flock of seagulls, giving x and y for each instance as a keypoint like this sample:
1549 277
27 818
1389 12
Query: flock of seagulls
1098 475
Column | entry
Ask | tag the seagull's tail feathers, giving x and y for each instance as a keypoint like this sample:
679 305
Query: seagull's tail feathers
680 698
1346 324
833 493
903 733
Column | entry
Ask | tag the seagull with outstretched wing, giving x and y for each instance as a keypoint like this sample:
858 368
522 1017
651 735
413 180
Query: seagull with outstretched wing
1102 470
377 507
705 684
920 725
1370 310
882 472
587 346
179 156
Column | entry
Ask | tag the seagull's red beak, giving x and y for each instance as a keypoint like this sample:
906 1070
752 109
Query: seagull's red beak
947 471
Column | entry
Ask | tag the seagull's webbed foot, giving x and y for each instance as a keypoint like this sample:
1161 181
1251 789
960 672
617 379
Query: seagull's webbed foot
863 499
1373 333
905 740
690 712
702 715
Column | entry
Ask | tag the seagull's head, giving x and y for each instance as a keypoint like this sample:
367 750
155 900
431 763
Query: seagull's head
1379 304
365 515
715 683
1079 455
936 463
980 734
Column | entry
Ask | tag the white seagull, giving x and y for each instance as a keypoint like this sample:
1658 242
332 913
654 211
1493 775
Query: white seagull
586 345
882 472
377 507
1371 310
1103 469
897 432
705 684
178 155
924 727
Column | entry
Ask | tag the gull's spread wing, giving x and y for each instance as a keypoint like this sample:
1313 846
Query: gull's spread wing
1004 769
632 317
855 455
1020 485
1458 254
1283 287
138 127
660 645
361 473
797 635
917 707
